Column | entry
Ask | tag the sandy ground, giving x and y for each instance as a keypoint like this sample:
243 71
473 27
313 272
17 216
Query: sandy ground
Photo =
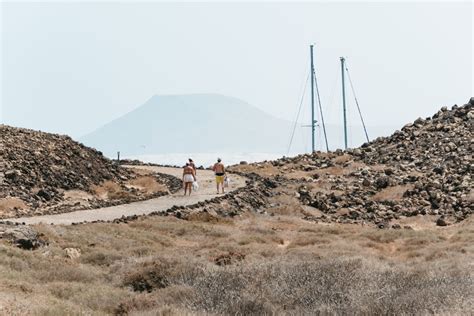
206 191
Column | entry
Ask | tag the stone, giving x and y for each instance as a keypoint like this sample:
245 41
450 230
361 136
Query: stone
441 221
382 182
24 237
11 174
44 194
73 253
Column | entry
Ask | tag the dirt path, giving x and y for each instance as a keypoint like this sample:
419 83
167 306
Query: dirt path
206 191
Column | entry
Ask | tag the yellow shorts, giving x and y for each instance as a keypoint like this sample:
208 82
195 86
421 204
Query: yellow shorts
219 179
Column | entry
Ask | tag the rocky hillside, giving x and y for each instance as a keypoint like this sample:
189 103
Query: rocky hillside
39 169
423 169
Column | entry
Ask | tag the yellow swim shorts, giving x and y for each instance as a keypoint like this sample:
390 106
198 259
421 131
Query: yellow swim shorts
219 179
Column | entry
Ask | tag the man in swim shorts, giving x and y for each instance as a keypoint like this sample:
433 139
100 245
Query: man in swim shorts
193 165
189 176
219 171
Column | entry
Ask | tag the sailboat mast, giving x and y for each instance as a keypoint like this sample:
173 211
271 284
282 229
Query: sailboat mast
343 60
312 101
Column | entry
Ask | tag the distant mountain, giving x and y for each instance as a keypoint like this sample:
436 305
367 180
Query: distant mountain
192 123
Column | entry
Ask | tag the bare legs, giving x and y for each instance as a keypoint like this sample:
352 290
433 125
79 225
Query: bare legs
222 185
188 186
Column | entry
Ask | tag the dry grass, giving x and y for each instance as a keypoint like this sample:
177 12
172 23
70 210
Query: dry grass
77 195
147 184
166 266
10 205
306 285
109 190
342 159
394 193
263 169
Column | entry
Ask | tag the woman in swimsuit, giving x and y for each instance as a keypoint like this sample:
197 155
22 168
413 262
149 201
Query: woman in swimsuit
189 176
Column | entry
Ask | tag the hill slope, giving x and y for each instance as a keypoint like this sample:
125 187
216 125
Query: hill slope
423 169
192 123
280 264
49 173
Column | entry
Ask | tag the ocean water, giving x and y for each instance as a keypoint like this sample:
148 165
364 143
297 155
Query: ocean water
206 159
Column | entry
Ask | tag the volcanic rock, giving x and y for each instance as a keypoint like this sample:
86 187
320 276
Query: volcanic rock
39 168
423 169
22 236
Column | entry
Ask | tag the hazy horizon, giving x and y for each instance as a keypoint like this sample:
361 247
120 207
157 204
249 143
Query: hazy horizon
72 67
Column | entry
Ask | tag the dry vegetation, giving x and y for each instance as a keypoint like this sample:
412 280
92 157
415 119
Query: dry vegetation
280 251
11 205
148 184
257 264
145 184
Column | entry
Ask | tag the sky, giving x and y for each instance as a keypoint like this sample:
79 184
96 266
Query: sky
71 67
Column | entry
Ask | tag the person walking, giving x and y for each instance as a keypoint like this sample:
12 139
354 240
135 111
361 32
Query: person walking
189 176
219 171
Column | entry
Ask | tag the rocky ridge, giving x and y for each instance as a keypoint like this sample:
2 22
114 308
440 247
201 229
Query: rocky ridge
38 168
423 169
429 160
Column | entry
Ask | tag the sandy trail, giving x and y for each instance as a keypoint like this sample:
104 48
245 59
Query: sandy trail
206 191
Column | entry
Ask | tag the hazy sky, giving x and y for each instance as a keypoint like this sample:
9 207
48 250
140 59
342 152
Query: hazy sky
72 67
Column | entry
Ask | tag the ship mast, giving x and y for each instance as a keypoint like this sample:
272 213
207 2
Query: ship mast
312 101
343 60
